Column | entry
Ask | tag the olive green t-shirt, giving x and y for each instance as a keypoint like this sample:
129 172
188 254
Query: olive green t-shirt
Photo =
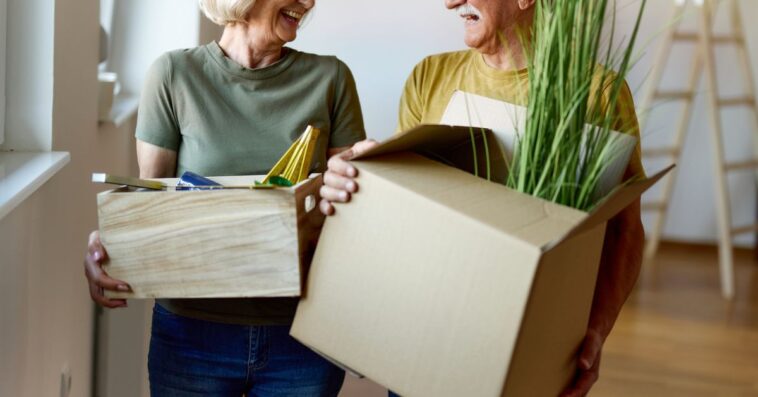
224 119
435 79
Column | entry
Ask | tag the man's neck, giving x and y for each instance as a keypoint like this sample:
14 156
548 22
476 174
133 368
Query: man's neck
242 45
510 55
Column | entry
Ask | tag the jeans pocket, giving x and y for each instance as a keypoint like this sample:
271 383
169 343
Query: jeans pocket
157 308
167 325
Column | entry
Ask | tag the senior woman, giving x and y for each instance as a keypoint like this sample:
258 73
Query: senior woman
233 108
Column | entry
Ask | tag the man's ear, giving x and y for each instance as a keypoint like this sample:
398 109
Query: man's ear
525 4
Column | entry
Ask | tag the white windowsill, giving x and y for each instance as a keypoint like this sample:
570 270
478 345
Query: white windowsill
124 107
22 173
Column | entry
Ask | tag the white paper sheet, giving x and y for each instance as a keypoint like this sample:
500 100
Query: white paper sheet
506 120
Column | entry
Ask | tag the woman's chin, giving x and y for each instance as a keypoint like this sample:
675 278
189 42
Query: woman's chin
287 38
286 32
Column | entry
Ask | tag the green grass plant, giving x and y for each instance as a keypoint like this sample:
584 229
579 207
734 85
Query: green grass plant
575 81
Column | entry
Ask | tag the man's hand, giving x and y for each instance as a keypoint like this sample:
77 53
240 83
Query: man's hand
619 268
589 365
339 179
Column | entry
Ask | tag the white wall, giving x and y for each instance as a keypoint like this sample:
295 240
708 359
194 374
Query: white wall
29 78
381 41
3 32
692 216
145 29
45 310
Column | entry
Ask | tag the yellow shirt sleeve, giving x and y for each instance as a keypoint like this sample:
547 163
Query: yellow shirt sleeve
628 123
411 104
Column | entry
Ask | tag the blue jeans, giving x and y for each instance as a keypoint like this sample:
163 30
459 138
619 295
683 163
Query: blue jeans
191 357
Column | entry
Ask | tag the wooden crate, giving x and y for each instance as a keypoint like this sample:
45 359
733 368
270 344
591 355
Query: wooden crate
211 244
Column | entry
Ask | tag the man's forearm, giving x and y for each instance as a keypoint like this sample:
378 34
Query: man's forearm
619 268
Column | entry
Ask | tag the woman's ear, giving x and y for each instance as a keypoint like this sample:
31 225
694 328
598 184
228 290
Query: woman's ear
525 4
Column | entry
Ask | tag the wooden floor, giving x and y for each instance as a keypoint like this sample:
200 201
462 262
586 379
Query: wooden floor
676 335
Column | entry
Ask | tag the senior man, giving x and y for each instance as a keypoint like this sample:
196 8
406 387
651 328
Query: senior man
495 67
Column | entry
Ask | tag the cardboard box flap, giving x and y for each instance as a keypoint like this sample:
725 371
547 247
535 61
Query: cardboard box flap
613 204
512 214
451 145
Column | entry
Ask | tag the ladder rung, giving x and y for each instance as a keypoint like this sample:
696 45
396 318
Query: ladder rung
739 101
744 229
654 206
675 95
717 39
743 165
660 152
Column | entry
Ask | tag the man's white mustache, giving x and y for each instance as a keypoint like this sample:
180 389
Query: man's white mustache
468 9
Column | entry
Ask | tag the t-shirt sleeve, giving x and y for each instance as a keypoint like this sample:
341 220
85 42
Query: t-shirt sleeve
347 117
156 119
627 123
411 104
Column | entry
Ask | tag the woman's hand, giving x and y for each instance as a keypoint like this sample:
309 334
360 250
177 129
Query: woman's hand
96 276
339 179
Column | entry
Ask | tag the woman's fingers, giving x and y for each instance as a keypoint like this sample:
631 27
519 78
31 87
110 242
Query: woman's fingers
97 278
95 247
106 282
94 242
96 293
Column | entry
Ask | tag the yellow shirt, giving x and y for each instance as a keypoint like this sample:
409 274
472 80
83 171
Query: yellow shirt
433 82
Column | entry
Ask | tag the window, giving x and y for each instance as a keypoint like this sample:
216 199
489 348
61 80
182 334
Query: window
106 32
3 13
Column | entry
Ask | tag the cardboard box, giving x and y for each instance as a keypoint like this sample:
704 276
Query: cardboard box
434 282
211 244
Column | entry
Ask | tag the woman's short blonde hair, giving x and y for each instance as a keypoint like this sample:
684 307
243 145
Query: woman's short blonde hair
224 12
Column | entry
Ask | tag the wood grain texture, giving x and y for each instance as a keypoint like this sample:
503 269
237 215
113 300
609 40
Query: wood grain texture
677 337
209 244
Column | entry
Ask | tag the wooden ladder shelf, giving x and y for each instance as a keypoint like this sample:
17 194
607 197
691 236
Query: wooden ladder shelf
704 62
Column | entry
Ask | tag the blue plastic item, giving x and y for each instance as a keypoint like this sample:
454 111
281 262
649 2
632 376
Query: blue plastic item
193 181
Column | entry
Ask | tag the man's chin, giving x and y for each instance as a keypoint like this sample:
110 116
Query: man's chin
480 45
472 42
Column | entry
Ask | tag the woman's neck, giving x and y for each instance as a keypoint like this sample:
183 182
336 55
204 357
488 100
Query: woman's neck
242 45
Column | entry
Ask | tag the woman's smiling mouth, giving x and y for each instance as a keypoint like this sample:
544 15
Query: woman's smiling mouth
292 17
